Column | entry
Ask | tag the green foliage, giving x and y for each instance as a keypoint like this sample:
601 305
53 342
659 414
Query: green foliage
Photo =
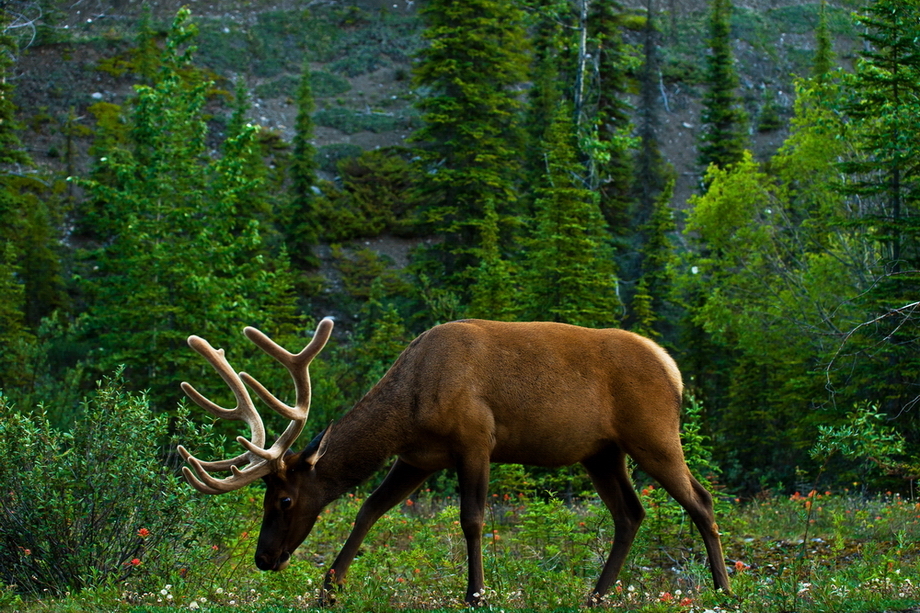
723 119
301 228
351 122
97 504
375 197
160 199
570 274
471 69
864 437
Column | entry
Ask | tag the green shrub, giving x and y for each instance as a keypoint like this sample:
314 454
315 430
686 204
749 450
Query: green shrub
351 122
328 156
96 504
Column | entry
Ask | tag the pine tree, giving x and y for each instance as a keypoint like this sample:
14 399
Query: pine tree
883 186
652 171
492 289
569 273
612 165
30 216
724 121
471 141
650 304
548 78
176 256
300 221
824 52
885 109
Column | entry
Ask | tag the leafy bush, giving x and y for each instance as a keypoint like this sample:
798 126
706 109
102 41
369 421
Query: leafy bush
96 504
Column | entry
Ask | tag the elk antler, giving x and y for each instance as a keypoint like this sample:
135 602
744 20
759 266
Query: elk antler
257 461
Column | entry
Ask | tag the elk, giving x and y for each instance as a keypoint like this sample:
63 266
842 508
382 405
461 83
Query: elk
463 395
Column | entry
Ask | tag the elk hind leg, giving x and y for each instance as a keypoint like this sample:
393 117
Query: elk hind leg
670 470
609 474
400 482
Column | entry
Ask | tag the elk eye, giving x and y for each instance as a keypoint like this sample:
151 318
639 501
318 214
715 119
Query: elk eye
286 503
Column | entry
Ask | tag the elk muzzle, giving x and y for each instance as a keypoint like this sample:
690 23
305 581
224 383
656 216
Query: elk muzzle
265 561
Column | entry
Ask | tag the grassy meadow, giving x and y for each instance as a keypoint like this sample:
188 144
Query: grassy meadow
817 551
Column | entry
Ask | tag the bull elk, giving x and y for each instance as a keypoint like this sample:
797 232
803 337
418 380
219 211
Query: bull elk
462 395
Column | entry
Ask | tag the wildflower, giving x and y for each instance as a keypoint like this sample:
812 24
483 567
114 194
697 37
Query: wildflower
665 597
686 601
740 566
135 562
409 502
193 605
143 533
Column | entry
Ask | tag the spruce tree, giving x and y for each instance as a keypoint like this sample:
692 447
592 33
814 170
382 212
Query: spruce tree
883 186
651 170
824 49
176 256
30 216
612 164
300 220
471 141
724 121
885 110
569 272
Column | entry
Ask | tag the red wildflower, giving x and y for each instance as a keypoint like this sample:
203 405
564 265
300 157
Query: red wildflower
143 533
135 562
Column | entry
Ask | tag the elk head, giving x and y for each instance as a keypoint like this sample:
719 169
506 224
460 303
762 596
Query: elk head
292 488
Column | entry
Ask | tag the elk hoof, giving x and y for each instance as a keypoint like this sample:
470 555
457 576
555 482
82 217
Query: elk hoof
595 600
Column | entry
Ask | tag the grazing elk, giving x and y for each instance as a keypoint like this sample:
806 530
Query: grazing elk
462 395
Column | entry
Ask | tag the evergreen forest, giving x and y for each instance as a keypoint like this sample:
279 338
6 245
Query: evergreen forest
532 185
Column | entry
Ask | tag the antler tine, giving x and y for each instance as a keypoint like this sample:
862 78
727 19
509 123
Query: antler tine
244 411
296 365
258 460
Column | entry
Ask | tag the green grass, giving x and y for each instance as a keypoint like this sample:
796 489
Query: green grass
822 552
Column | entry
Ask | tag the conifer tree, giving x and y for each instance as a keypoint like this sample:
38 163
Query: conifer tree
176 257
569 273
300 220
612 165
652 172
492 290
471 140
824 51
30 216
885 109
548 80
649 306
883 186
724 121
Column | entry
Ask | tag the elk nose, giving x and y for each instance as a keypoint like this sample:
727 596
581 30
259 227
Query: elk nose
265 561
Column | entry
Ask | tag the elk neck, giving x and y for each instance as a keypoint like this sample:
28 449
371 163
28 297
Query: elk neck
362 441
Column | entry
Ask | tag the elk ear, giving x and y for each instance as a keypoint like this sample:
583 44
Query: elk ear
317 447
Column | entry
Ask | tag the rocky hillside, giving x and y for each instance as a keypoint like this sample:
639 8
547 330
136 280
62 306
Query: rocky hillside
360 54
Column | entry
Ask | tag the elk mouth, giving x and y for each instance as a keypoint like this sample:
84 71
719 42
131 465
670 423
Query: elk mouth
267 562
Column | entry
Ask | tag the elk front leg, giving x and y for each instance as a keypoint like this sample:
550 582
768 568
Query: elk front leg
400 482
473 477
